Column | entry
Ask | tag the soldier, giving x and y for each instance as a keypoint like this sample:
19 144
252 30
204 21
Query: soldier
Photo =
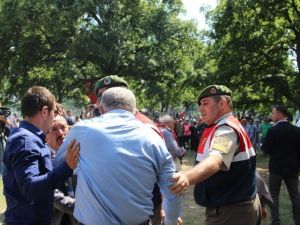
224 177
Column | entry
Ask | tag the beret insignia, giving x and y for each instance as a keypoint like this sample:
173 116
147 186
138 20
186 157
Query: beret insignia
107 81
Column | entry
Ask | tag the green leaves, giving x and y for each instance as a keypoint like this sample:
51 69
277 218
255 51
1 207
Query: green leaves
64 45
253 40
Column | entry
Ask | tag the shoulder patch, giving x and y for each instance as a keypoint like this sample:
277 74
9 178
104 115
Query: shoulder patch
221 144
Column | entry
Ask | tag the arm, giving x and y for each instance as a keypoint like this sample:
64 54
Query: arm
171 203
33 170
203 170
172 145
222 148
63 203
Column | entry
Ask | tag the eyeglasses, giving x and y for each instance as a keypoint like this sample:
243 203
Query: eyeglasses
56 111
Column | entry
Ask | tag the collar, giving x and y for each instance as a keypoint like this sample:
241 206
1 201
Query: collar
281 121
222 117
53 152
118 111
33 129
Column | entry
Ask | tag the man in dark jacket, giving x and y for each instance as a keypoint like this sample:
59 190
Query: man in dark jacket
282 143
29 178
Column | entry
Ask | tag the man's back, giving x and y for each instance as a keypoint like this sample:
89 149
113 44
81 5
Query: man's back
120 161
282 143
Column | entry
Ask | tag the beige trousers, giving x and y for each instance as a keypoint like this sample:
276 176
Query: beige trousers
243 213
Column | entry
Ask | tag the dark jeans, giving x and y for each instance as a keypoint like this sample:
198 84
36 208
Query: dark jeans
291 182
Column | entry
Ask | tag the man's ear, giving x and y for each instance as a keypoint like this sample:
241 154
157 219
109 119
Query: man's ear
221 102
44 111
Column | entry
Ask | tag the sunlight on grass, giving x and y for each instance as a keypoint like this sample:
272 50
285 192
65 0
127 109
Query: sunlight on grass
2 202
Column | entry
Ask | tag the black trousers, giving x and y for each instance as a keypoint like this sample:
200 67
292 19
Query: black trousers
291 182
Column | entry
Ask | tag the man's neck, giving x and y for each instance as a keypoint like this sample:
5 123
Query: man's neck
34 121
282 120
223 116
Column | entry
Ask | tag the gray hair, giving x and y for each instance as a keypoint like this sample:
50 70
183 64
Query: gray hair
118 98
166 119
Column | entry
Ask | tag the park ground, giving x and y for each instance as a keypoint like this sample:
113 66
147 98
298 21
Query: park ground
193 214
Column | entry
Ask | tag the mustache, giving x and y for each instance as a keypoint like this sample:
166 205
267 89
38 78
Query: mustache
60 138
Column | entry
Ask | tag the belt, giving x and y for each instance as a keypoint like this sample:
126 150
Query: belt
247 202
250 201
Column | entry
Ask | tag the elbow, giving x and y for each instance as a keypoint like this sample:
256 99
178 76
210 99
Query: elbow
34 190
29 193
217 164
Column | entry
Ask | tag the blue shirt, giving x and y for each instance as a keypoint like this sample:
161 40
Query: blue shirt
171 143
120 161
28 177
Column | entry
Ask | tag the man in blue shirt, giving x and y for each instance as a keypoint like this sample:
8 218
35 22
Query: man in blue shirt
29 178
120 161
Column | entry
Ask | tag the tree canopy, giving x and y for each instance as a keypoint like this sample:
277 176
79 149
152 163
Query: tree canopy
252 46
256 45
65 45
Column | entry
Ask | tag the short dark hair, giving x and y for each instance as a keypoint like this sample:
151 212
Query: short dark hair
35 99
217 98
282 109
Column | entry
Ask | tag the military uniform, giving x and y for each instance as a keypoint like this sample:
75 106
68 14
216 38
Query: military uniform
230 194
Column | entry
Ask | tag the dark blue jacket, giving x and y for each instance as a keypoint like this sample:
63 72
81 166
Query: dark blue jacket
29 179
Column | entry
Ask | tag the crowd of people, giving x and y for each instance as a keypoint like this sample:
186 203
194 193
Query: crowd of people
114 165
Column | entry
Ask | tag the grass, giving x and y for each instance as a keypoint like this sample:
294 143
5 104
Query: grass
285 204
193 214
2 202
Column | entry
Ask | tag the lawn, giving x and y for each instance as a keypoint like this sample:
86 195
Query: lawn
2 202
194 214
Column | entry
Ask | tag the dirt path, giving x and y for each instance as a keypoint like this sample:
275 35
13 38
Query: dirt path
193 214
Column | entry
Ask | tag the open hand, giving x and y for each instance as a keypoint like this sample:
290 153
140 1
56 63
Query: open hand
180 183
72 155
